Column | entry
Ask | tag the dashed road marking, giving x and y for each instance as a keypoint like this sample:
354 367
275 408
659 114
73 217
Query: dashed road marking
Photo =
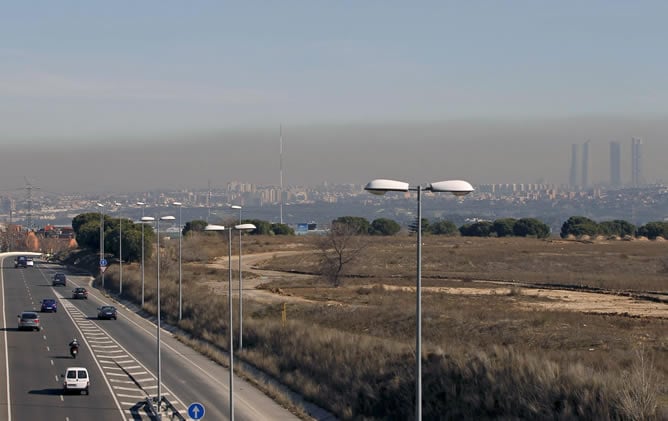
120 367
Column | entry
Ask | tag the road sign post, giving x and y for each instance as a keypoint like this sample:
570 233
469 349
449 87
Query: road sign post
196 411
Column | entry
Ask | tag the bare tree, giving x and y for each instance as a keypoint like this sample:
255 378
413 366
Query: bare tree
54 245
339 249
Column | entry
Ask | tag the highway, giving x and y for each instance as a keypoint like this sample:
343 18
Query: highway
120 355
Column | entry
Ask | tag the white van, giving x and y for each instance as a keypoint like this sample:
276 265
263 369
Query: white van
76 378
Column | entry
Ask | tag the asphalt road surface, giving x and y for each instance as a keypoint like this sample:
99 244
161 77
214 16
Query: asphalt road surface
120 355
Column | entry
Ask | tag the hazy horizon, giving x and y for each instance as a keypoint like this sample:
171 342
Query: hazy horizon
126 96
481 152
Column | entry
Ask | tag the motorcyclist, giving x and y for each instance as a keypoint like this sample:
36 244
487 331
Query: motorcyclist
74 345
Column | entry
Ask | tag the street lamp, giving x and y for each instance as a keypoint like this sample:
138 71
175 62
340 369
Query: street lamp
120 249
456 187
102 269
157 221
143 206
241 227
180 205
241 314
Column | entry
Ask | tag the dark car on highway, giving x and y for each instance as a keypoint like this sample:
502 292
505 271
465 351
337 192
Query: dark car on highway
80 293
48 305
59 279
106 312
21 262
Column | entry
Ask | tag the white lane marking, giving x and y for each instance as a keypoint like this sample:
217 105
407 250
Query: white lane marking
96 332
223 385
131 389
115 357
67 308
117 374
4 324
109 362
121 395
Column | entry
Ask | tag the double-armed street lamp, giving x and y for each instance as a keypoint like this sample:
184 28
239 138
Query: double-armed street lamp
240 227
241 314
143 206
120 249
180 205
101 206
159 357
456 187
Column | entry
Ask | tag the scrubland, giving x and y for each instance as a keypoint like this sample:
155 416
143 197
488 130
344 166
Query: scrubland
492 347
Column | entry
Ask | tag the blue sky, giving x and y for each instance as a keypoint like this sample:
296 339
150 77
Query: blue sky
506 85
75 68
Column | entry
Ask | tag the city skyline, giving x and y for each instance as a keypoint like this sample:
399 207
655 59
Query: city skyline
489 153
322 205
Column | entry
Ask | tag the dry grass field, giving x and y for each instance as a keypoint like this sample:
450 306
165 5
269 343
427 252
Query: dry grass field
512 328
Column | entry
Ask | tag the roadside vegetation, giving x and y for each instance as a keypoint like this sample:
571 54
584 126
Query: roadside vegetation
348 345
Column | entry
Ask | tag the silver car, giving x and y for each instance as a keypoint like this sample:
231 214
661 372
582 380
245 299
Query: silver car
29 320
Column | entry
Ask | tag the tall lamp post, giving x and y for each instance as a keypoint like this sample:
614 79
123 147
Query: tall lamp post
456 187
180 205
143 206
101 206
120 249
240 227
157 223
241 314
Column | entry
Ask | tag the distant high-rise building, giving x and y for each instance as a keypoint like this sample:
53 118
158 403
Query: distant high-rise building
585 164
615 164
573 180
636 162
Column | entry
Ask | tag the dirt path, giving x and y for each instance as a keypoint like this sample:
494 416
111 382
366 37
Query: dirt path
553 299
251 284
562 300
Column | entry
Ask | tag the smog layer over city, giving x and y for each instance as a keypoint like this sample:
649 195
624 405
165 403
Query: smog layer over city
126 98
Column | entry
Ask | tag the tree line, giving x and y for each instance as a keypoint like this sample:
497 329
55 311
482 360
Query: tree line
508 227
505 227
86 228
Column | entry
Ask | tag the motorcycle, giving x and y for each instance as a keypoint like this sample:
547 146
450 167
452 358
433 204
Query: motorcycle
74 350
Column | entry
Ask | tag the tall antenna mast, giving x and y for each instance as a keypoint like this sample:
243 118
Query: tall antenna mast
29 188
280 199
208 202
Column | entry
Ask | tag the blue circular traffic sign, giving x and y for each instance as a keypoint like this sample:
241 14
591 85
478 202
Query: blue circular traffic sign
196 411
103 262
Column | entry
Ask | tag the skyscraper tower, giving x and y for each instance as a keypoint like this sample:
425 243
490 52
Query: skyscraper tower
585 164
615 164
573 180
636 162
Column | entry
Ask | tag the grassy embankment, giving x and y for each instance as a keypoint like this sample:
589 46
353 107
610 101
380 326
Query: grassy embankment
351 349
